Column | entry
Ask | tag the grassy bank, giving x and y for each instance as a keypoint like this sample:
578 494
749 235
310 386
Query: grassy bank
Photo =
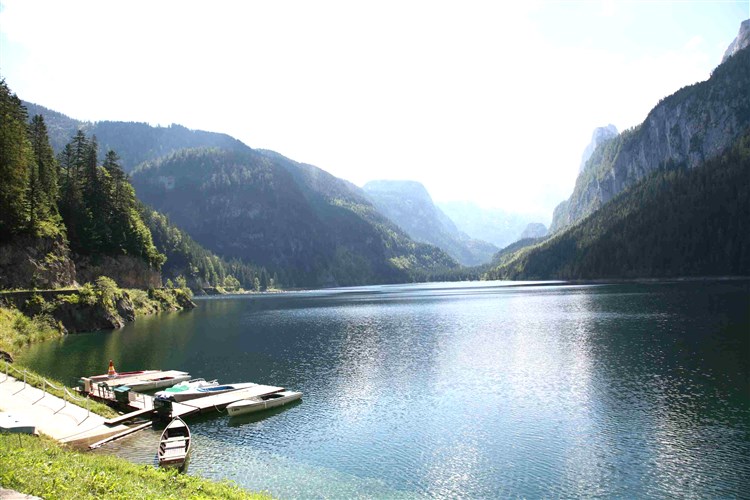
18 330
39 466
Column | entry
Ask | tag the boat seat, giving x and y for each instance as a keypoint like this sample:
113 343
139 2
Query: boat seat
173 453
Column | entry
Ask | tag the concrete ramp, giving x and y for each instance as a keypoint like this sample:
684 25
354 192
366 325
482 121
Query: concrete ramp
61 420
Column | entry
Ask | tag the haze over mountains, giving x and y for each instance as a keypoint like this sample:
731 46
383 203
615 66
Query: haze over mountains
408 204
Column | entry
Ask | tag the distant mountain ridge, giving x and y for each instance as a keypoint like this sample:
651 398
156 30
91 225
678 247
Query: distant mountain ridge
492 225
410 206
258 206
692 125
134 142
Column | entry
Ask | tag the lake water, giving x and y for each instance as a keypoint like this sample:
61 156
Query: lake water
481 390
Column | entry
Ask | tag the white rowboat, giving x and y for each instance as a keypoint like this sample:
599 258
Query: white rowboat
260 403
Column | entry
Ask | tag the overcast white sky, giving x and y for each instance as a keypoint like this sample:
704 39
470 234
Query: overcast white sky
477 100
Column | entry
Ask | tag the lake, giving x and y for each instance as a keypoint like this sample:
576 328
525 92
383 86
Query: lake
481 390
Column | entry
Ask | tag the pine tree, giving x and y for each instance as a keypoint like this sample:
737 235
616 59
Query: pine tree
43 187
15 157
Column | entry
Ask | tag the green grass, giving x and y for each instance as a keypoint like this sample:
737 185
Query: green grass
18 330
41 467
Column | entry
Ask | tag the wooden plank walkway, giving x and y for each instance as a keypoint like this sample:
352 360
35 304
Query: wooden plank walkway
120 435
128 416
220 401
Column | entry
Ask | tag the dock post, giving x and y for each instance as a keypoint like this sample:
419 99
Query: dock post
88 410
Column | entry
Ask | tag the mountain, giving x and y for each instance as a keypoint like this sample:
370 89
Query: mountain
134 142
409 205
742 41
534 230
600 135
692 125
200 267
493 225
676 222
261 207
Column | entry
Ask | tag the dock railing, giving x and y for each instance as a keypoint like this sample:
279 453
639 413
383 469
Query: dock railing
47 387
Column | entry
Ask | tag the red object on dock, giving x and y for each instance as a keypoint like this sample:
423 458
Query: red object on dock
111 370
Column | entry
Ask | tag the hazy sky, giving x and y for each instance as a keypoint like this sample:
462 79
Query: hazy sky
478 100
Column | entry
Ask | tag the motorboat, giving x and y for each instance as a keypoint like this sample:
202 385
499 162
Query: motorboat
187 385
201 392
174 445
260 403
143 380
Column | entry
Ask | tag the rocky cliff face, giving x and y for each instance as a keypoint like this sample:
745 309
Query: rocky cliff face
685 129
128 272
600 135
36 262
534 230
410 206
739 43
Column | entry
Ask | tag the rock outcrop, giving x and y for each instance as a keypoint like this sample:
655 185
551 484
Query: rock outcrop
28 262
127 271
534 230
739 43
600 135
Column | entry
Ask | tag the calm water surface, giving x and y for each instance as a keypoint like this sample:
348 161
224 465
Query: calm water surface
460 390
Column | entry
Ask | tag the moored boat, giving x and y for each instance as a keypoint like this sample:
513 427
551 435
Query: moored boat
174 445
187 385
201 392
265 402
88 383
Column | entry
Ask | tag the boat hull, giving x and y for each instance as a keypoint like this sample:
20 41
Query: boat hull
253 405
179 397
175 445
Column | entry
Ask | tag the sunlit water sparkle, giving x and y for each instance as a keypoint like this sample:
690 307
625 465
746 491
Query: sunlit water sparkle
460 390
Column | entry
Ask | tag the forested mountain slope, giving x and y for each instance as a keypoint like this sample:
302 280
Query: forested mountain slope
288 217
676 222
687 128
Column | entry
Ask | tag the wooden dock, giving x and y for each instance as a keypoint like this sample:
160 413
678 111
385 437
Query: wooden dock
129 416
220 401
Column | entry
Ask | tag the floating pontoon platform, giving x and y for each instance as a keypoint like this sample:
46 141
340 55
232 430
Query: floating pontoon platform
220 401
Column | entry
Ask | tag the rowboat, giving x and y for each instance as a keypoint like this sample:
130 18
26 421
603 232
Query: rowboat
187 385
259 403
201 392
174 445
